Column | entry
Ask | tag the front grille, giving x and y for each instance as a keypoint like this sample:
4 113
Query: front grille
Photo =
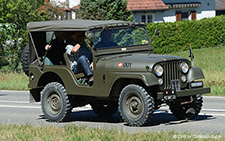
171 72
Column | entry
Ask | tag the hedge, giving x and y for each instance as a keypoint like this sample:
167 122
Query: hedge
178 36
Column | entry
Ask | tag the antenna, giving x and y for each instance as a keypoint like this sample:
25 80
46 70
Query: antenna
191 56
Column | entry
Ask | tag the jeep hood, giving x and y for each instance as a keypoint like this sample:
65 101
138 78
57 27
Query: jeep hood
136 62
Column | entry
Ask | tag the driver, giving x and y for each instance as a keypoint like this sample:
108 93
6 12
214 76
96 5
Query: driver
105 40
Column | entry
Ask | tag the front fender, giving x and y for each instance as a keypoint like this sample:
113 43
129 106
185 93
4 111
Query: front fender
148 79
194 74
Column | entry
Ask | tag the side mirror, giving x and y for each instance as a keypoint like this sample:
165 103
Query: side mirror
91 37
157 32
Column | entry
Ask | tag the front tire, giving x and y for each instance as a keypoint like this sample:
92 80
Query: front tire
55 103
136 105
187 111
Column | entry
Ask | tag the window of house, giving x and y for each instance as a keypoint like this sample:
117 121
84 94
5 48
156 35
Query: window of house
182 16
143 18
150 18
147 18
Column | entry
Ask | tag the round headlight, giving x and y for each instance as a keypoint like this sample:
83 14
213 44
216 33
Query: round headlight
184 67
183 78
160 81
158 70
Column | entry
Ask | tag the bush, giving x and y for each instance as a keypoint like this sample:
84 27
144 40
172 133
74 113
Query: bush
178 36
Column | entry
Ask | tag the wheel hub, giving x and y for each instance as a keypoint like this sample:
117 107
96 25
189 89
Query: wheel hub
134 104
54 103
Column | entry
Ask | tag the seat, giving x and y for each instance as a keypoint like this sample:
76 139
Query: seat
68 64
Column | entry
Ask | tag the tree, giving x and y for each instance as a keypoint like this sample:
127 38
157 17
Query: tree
14 16
105 10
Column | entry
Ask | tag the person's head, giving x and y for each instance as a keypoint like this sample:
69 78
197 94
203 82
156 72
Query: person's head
78 36
106 35
60 36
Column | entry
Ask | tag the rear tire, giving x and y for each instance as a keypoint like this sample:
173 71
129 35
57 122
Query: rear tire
136 105
25 60
188 111
55 103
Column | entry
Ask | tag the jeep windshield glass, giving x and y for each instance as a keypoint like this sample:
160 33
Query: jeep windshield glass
121 37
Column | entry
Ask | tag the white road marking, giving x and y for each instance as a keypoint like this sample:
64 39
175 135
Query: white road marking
14 106
217 97
5 101
212 114
214 110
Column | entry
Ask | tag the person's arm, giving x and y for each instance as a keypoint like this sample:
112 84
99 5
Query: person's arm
75 48
91 66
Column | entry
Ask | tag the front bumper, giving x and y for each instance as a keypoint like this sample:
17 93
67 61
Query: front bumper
187 92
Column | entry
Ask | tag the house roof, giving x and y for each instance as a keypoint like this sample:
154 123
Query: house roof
140 5
146 5
182 3
76 8
220 4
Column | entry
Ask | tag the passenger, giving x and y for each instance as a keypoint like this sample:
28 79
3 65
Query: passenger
56 49
80 56
105 40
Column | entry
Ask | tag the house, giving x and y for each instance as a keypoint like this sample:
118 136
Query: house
171 10
220 7
147 10
180 10
166 10
71 7
74 10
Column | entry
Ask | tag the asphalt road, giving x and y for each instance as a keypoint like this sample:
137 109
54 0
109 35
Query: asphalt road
16 109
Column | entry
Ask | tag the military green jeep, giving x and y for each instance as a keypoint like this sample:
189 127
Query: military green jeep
127 74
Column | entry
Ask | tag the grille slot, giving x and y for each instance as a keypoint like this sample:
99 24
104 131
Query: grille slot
171 72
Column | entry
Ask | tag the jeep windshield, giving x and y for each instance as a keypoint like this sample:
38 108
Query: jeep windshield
120 37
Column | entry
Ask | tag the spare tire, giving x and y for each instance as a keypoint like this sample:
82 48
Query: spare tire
25 60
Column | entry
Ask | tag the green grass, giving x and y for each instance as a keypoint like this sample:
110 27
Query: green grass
83 133
212 63
13 81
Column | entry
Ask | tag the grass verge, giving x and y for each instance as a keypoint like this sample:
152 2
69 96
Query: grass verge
211 61
13 81
83 133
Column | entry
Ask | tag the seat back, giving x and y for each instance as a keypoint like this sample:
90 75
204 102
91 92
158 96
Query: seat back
68 64
67 60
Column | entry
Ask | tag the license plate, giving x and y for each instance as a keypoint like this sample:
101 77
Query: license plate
169 95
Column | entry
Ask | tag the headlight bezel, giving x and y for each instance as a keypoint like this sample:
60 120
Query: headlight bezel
184 67
158 70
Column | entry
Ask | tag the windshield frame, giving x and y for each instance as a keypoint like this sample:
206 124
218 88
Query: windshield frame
122 49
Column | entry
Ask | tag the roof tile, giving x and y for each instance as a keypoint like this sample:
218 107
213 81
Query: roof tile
151 5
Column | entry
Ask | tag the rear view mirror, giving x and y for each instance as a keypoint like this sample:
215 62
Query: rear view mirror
91 37
157 32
